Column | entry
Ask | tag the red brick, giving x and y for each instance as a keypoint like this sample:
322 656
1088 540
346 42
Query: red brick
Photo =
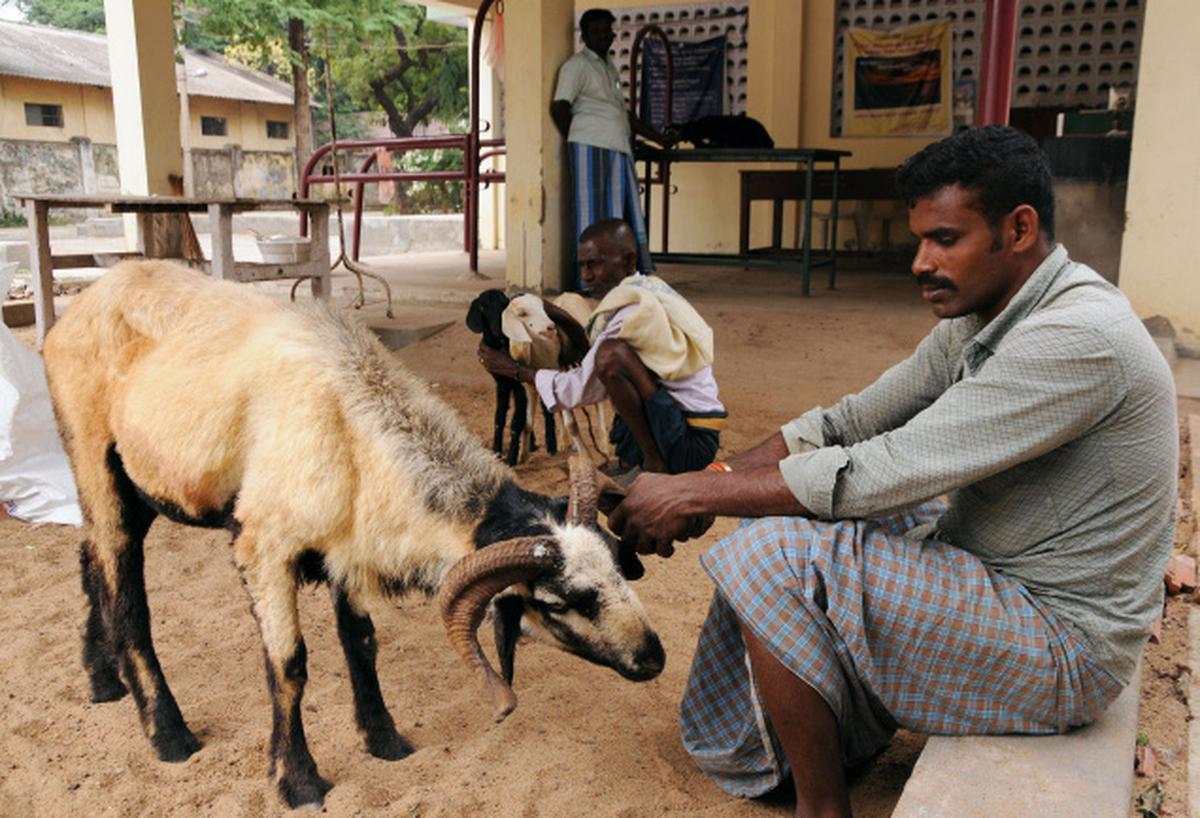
1145 761
1181 574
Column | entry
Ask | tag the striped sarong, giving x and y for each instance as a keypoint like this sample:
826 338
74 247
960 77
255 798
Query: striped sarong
891 631
605 187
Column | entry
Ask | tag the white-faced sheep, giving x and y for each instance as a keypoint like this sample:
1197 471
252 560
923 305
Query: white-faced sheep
293 428
542 341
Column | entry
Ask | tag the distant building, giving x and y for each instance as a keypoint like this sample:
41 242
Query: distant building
57 131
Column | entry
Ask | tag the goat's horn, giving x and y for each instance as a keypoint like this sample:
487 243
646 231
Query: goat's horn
581 507
470 585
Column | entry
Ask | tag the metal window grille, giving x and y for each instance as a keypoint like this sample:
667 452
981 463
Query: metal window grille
277 130
213 125
43 116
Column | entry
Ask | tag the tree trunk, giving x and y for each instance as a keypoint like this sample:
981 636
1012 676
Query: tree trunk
301 107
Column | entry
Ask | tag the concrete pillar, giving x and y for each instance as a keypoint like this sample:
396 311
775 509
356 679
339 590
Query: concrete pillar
236 160
540 36
491 199
87 164
1159 247
141 57
774 97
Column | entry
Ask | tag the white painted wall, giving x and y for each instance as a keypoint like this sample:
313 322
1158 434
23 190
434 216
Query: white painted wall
1158 255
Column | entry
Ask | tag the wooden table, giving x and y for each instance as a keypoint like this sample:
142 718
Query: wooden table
778 186
663 158
220 213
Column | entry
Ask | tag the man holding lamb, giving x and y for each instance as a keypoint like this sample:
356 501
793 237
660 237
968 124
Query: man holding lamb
650 354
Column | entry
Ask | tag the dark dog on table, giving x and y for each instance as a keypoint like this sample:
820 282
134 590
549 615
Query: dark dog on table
725 131
483 317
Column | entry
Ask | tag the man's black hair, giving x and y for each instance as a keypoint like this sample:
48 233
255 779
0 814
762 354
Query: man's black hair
1002 166
595 16
617 231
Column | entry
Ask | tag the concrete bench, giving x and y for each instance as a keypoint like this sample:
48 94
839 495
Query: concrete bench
1087 772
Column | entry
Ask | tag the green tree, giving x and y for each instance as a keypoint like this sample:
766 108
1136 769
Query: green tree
415 71
80 15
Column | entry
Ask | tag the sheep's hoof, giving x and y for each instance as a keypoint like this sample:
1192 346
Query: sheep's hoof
175 746
388 745
107 687
307 792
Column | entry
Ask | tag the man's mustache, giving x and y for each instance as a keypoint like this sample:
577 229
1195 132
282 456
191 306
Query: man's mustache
929 280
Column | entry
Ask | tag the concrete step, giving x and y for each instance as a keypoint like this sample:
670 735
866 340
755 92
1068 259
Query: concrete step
1087 772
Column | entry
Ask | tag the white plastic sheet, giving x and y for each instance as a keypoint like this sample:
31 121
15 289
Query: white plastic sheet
35 479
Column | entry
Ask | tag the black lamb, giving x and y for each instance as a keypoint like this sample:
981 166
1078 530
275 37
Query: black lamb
483 317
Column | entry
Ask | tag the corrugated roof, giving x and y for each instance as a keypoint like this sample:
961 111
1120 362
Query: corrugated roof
60 55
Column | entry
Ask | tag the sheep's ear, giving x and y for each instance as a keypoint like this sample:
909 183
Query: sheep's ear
609 493
625 557
559 508
475 316
507 627
514 328
631 567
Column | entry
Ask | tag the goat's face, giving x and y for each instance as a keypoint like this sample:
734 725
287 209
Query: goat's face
586 608
483 316
525 320
549 570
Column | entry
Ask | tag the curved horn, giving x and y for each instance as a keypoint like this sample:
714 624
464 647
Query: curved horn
470 585
581 508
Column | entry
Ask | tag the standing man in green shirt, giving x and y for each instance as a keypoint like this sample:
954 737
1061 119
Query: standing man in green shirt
589 110
975 543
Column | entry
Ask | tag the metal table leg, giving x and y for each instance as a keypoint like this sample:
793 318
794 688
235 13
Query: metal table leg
806 263
833 220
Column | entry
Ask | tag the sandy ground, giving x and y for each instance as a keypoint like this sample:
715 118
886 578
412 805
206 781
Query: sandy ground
582 738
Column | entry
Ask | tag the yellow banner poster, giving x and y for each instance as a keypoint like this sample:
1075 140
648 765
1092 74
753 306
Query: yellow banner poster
898 83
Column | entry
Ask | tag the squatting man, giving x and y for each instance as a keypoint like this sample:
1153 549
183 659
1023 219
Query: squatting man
973 544
650 354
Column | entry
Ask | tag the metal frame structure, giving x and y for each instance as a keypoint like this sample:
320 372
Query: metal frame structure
470 175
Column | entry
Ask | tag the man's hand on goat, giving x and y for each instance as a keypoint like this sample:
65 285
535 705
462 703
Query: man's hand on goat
499 362
657 512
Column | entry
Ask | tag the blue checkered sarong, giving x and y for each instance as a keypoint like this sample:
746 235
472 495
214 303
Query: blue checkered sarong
891 631
605 186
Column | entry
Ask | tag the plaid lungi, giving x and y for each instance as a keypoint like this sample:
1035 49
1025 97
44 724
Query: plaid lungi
891 631
606 187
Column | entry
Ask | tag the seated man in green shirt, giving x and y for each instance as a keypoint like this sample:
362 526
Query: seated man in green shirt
975 543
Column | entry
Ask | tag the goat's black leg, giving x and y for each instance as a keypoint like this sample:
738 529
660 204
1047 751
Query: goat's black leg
502 392
272 589
99 659
551 434
357 634
116 554
519 419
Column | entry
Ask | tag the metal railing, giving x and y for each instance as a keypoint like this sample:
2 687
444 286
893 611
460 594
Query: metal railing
471 174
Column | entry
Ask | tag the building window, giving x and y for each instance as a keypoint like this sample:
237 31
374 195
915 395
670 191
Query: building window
277 130
212 125
49 116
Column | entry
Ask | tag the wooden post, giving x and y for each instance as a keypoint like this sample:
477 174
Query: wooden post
322 282
37 214
220 223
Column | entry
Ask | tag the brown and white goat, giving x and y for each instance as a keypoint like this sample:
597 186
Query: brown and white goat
293 428
539 341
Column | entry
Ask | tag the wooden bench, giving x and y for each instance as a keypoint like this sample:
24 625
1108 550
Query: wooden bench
777 186
154 244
